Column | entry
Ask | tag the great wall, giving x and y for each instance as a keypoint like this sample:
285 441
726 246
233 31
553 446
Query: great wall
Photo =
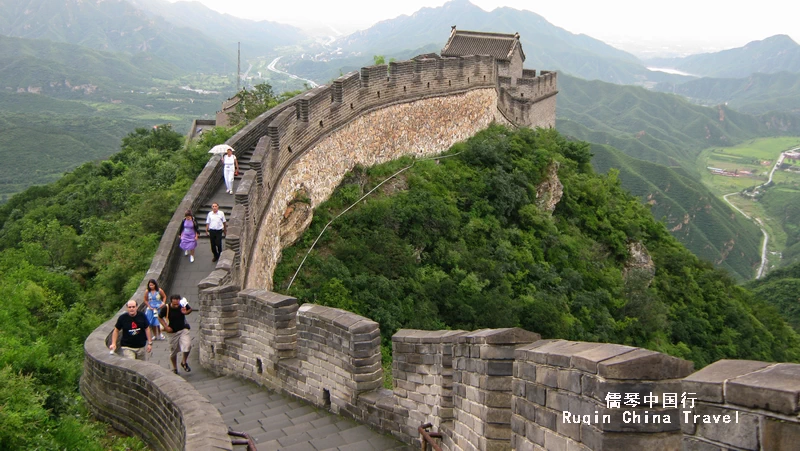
493 389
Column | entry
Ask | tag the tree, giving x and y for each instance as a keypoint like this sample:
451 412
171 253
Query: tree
252 103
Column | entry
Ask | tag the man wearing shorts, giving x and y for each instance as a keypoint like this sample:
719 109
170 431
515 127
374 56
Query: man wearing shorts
173 320
137 341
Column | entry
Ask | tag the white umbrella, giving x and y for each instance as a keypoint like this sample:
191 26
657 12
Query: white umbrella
220 149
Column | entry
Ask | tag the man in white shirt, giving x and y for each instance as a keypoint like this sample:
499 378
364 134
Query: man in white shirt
216 227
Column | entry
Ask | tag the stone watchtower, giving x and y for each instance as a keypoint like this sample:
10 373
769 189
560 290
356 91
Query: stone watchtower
505 48
523 98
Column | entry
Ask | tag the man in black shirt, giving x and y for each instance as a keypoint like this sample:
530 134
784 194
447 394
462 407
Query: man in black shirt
173 320
135 333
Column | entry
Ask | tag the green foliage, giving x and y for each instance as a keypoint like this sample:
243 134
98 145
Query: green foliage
781 289
65 104
692 213
783 204
254 102
465 246
70 254
757 93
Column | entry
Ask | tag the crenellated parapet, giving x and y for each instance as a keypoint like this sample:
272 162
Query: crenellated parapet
506 389
418 107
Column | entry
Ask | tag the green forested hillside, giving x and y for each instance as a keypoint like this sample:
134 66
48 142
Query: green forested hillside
62 105
71 253
754 94
115 26
72 71
690 211
670 132
783 204
781 288
656 127
463 242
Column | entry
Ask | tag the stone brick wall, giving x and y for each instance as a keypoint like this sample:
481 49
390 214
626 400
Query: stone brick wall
560 397
113 386
743 404
355 121
482 371
422 369
339 357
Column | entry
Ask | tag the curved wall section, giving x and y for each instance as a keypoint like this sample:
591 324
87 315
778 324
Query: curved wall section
148 401
420 128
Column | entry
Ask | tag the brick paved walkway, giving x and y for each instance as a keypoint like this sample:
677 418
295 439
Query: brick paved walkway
275 422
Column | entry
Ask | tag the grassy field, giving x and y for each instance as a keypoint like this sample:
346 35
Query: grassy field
757 156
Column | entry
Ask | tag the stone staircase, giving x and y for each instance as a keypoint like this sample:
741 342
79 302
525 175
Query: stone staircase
275 422
279 423
224 200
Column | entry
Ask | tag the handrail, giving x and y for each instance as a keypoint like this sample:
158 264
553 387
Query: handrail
427 437
251 445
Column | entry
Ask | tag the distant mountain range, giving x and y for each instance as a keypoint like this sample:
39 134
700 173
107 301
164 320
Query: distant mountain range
72 71
775 54
546 46
257 38
116 26
657 127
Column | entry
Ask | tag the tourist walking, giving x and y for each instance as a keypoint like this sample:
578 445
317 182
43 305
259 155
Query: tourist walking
173 320
230 169
136 341
216 227
189 235
154 298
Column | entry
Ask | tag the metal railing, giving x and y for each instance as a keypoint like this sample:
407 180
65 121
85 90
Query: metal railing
244 440
427 437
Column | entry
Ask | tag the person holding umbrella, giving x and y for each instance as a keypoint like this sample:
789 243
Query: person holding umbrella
230 165
231 168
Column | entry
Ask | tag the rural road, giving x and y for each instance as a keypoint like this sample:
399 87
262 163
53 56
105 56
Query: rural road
272 68
764 261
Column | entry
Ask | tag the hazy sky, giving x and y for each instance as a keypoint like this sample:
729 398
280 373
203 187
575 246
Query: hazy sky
716 21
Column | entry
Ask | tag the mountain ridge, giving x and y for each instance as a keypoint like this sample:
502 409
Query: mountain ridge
113 25
547 47
774 54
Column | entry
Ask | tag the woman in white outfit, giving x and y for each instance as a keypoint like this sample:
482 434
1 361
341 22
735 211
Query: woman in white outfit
231 167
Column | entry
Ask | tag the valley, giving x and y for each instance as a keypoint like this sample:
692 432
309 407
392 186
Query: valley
746 174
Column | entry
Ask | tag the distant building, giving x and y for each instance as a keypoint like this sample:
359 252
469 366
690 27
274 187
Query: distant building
505 48
228 106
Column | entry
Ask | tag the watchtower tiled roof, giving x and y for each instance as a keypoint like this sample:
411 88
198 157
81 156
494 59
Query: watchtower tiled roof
498 45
